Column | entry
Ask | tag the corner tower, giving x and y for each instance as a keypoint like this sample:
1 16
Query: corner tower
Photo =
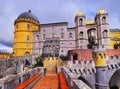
81 32
24 26
99 56
101 21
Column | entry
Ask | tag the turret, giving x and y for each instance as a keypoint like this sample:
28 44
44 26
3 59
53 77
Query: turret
99 57
24 26
101 20
81 32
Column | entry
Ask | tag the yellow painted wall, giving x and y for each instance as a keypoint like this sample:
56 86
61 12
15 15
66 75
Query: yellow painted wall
115 35
21 44
100 61
5 55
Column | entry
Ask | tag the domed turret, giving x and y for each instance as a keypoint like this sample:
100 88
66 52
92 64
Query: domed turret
28 15
88 22
101 11
24 26
80 13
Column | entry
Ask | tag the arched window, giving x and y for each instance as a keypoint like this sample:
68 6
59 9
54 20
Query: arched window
105 33
62 35
16 26
75 56
91 32
27 53
81 35
116 45
104 19
81 21
116 56
53 35
27 37
119 45
43 36
37 37
28 26
70 35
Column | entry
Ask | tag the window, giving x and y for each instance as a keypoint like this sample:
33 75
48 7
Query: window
36 44
70 35
28 26
27 37
116 45
62 51
81 21
111 57
27 44
105 33
53 35
104 19
15 38
81 34
62 35
91 32
62 43
37 37
116 56
43 36
62 29
16 26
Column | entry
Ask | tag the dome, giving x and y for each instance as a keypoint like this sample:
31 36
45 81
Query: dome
80 13
101 11
28 15
89 22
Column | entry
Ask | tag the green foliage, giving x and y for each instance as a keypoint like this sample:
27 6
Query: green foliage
63 58
39 61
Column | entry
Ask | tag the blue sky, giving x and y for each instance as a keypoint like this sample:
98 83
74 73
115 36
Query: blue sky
49 11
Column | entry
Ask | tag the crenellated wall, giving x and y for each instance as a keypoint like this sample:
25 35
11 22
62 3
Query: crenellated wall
11 81
80 75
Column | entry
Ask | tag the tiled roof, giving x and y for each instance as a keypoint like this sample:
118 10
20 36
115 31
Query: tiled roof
113 52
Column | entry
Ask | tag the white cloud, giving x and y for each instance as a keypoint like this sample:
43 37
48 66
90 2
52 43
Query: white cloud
53 11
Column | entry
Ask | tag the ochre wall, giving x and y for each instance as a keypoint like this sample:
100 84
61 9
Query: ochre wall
115 35
20 33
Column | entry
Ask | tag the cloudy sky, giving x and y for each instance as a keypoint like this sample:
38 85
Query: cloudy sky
49 11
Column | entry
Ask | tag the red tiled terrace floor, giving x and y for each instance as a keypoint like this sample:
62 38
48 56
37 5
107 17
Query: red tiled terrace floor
47 82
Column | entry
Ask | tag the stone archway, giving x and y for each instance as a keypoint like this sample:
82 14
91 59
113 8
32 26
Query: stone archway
114 82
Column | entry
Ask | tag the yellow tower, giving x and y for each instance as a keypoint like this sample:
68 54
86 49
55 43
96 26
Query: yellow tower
24 26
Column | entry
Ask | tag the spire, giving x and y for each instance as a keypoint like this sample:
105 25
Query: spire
29 11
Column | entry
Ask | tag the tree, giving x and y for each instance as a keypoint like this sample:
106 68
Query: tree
39 61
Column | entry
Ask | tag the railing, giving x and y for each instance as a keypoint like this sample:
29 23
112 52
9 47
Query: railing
29 83
63 83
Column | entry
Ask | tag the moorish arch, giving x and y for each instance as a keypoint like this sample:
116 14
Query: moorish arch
92 32
114 82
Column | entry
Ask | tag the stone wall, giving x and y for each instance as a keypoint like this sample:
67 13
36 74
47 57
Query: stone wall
77 74
11 81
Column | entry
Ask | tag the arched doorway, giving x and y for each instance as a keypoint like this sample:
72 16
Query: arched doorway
27 54
75 56
114 82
